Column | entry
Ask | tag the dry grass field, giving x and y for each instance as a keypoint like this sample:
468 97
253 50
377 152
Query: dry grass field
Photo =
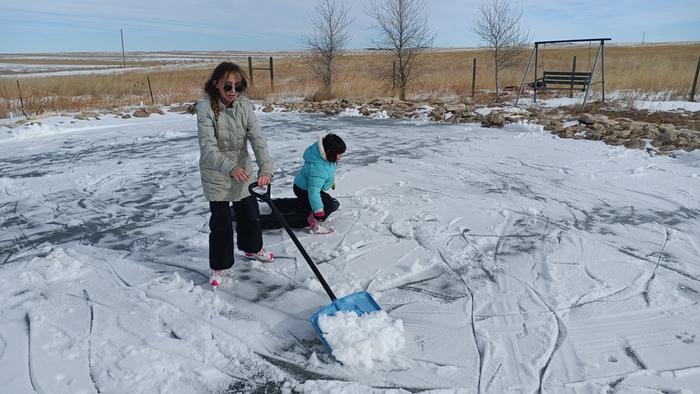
664 70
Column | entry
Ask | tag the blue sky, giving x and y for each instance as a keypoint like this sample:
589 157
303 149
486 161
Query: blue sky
267 25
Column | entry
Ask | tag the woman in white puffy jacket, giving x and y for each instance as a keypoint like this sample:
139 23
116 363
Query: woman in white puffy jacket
226 124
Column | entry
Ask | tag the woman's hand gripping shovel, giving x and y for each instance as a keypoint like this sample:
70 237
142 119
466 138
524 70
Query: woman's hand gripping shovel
360 302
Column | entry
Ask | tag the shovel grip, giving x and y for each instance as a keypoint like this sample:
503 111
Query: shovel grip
262 196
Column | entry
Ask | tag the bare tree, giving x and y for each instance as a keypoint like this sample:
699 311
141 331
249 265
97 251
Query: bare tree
498 25
328 39
403 29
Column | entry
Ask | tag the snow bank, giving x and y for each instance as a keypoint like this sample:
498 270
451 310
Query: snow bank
350 112
655 106
35 130
652 104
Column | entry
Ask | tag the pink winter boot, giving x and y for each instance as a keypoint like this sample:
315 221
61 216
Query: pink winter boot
317 227
263 255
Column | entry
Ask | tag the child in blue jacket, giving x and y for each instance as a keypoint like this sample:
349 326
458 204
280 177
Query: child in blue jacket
315 177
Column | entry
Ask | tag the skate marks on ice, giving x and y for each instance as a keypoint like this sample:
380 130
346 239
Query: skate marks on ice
82 339
103 185
569 270
510 264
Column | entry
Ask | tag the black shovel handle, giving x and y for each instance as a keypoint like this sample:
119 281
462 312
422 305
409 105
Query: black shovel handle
266 198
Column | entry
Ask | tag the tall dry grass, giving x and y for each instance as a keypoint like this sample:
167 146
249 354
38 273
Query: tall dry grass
650 69
84 92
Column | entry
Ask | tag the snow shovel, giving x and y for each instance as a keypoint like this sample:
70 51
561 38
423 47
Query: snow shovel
360 302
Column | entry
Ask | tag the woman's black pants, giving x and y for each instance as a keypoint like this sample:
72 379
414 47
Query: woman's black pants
248 231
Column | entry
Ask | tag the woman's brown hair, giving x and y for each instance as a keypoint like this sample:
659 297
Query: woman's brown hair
223 69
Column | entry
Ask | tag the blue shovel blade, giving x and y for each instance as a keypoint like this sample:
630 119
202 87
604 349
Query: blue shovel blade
360 303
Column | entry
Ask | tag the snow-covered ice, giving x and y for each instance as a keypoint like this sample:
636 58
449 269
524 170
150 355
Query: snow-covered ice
516 261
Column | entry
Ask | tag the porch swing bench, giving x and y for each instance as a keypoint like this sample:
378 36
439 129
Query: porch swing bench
562 80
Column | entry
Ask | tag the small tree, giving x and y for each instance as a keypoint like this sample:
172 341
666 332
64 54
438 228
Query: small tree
498 25
403 29
328 39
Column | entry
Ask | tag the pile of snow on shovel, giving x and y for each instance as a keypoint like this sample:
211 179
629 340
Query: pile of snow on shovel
361 340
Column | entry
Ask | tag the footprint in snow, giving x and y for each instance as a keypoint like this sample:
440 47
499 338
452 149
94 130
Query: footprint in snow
686 337
402 229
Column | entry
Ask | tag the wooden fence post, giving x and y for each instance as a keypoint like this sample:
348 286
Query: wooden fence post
473 77
393 77
121 32
250 69
695 81
150 90
272 76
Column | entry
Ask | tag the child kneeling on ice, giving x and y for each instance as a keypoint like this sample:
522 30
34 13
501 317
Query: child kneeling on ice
315 177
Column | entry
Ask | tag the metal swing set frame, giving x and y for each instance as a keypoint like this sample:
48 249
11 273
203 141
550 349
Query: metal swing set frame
570 78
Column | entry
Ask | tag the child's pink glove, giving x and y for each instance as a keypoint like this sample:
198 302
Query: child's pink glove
319 215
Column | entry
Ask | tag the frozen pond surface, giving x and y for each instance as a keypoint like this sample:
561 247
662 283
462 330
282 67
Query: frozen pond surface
517 262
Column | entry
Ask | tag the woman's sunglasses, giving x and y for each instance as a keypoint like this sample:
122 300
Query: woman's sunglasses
239 87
